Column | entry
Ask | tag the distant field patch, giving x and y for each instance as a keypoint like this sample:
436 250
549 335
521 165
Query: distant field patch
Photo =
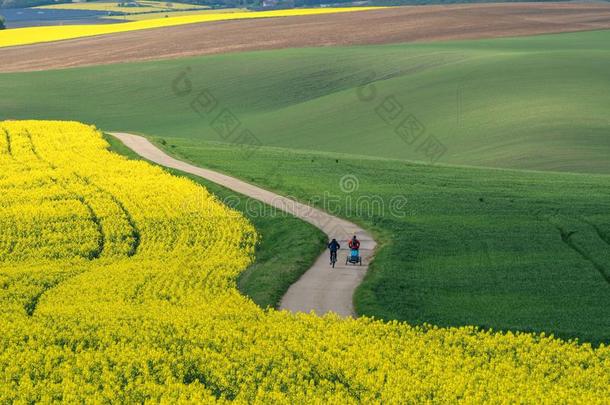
128 7
160 14
25 36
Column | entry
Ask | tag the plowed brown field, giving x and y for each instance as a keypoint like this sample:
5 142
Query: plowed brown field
392 25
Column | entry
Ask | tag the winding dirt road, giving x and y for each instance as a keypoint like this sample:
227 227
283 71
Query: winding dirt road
321 289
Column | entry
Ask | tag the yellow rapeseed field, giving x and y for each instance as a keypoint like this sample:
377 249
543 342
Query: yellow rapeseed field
31 35
118 284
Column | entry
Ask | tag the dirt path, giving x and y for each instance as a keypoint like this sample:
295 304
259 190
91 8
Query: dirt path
393 25
321 289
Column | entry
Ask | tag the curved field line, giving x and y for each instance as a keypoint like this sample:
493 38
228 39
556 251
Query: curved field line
566 237
603 235
101 241
135 232
7 137
321 289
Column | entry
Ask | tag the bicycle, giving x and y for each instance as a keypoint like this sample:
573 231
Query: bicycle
333 258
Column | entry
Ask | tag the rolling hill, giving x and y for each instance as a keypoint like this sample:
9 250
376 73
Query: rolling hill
528 103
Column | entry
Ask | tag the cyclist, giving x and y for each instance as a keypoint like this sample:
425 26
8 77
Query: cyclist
354 245
333 246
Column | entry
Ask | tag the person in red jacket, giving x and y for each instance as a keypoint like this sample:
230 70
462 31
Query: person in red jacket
354 245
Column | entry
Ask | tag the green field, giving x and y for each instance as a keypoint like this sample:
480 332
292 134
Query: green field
471 246
534 103
489 247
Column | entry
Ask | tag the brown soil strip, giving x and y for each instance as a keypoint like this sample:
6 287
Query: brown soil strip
392 25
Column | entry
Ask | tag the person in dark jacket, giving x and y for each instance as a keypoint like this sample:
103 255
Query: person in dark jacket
333 246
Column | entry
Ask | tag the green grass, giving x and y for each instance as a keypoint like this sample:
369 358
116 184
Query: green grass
471 246
286 250
533 103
